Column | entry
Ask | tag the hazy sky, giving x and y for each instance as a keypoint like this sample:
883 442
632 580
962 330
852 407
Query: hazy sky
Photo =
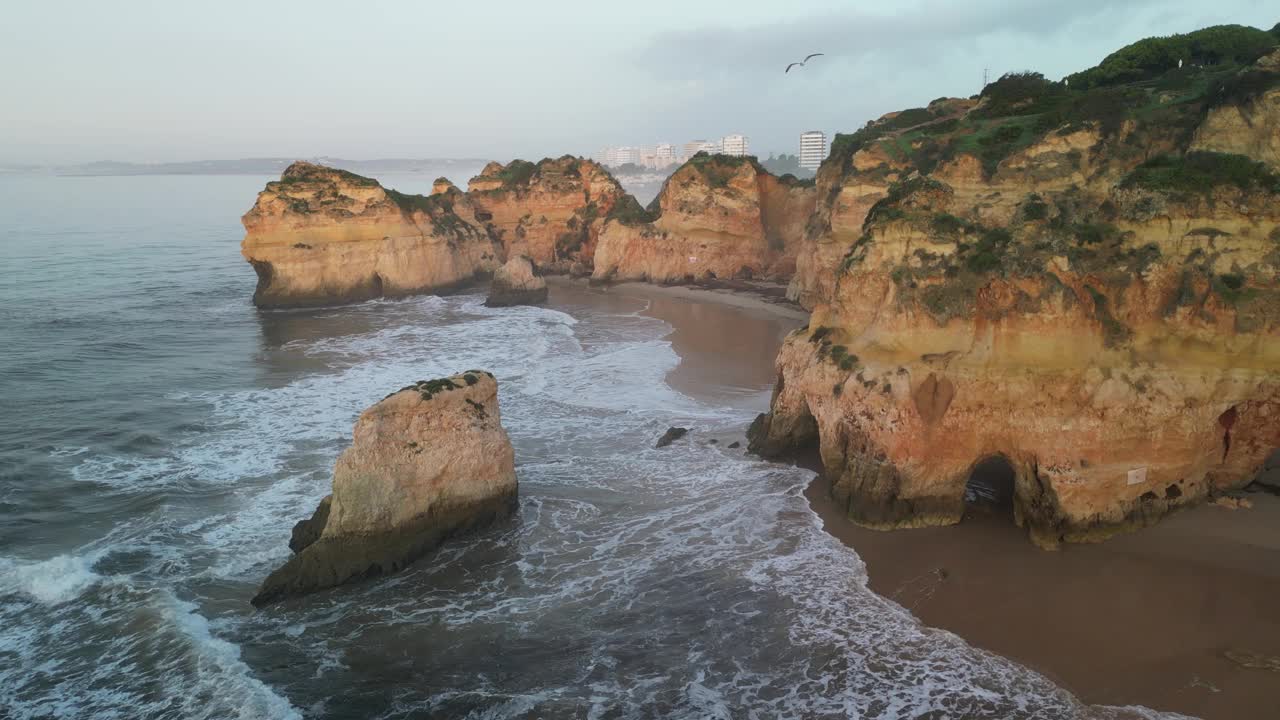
182 80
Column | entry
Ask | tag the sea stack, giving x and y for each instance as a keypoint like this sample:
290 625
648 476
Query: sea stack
426 463
518 282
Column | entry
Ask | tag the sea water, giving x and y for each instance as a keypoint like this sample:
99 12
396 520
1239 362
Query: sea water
160 436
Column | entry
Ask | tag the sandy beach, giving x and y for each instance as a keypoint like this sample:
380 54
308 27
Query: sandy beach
1169 618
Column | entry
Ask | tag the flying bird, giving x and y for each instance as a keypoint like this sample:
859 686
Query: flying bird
802 62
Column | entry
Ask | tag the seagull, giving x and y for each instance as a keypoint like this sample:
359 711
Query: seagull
802 62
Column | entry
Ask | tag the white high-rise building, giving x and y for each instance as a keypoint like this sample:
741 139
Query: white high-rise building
664 154
624 155
813 149
693 147
734 145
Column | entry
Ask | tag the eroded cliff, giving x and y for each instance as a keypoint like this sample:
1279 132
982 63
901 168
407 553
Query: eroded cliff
1065 278
716 217
551 211
321 236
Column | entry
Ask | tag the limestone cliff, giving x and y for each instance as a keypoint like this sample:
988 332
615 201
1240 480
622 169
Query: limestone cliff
1061 276
716 217
518 282
425 463
551 211
320 236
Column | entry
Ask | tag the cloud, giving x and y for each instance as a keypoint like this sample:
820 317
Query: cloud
858 34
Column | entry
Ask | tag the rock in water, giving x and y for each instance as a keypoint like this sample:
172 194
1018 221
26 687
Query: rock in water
308 531
518 282
426 463
672 435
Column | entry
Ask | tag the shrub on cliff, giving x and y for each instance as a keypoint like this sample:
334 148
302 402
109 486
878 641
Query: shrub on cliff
1201 172
1021 93
627 211
517 173
1242 88
908 118
1148 58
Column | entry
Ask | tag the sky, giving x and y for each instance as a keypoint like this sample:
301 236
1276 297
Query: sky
143 81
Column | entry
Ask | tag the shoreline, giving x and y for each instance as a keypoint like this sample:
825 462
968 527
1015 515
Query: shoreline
1151 618
1148 618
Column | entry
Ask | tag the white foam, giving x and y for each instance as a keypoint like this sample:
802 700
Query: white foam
56 580
225 677
769 615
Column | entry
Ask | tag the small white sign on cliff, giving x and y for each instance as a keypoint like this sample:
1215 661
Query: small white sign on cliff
1137 476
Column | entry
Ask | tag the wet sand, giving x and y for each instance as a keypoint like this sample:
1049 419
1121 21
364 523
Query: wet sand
727 341
1143 619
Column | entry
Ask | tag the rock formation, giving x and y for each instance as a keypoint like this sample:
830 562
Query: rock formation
518 282
426 463
442 185
551 211
671 435
1061 277
320 236
324 236
716 217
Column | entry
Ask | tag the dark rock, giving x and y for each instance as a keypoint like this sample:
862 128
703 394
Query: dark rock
331 561
735 445
672 435
1269 479
308 531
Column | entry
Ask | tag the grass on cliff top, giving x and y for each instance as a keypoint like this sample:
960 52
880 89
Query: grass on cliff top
428 204
298 172
1199 173
519 173
719 169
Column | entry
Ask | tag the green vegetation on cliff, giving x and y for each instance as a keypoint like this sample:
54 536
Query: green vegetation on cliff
627 211
1140 87
1149 58
1201 172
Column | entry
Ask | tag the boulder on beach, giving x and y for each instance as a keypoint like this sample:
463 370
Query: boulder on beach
426 463
518 282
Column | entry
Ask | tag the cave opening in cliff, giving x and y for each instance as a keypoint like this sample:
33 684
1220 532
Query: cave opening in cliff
989 489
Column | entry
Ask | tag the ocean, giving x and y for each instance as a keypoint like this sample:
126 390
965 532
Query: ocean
160 436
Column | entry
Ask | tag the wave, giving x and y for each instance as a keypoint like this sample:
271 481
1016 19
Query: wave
688 581
56 580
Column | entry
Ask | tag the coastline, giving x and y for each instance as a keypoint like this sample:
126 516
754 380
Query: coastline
1147 618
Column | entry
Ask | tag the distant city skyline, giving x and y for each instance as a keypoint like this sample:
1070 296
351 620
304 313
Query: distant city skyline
665 154
182 82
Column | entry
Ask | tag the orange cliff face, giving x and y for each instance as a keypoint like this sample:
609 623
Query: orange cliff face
551 211
854 178
322 236
1092 298
716 217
